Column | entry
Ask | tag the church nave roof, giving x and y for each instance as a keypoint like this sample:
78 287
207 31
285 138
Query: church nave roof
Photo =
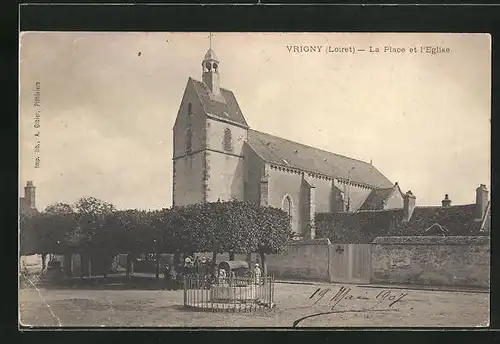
284 152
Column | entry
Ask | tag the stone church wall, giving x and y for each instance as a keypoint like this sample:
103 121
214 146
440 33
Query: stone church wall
197 121
225 168
188 169
323 194
225 175
282 184
253 171
215 137
188 179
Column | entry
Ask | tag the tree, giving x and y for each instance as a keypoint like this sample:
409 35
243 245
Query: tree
52 228
240 230
46 232
27 235
204 228
95 237
273 232
130 231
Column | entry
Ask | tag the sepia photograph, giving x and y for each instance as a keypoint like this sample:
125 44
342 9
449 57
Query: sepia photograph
254 180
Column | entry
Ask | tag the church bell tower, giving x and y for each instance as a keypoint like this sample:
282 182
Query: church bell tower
210 72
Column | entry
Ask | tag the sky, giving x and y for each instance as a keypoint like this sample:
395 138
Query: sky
108 102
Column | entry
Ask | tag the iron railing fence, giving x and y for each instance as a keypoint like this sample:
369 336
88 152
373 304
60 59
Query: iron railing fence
237 294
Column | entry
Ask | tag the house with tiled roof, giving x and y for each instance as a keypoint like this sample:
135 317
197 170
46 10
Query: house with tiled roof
217 156
446 219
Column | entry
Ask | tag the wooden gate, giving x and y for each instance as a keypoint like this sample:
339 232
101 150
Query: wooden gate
349 263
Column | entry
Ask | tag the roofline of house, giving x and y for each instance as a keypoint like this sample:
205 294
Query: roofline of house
377 210
440 206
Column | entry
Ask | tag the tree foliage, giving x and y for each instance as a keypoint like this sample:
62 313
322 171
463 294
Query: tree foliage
60 209
97 228
274 230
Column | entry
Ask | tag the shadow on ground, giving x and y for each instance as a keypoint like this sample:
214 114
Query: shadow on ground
100 283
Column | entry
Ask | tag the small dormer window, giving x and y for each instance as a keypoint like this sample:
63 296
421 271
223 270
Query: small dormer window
228 144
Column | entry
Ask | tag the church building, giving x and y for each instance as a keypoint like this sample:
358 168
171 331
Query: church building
217 156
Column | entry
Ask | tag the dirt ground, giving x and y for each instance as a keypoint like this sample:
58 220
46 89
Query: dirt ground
360 307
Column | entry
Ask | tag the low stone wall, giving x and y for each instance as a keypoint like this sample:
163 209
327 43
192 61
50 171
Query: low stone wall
446 261
306 260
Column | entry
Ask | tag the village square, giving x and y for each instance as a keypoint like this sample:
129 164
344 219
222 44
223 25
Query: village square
262 231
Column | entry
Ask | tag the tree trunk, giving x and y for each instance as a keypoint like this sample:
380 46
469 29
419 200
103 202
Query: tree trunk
214 260
157 272
44 256
263 262
177 259
127 273
231 255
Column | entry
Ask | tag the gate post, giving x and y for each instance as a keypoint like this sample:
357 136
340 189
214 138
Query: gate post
185 290
350 260
330 258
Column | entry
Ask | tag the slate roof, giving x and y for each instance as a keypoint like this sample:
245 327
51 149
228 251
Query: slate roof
457 219
376 198
279 151
228 110
210 55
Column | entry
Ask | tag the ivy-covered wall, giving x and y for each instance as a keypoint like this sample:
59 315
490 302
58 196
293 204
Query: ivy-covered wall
356 228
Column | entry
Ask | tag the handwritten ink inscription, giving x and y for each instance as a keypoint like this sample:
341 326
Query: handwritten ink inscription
390 298
385 300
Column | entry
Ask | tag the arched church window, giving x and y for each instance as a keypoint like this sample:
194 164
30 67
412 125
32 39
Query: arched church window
228 145
208 66
287 205
190 109
216 66
189 139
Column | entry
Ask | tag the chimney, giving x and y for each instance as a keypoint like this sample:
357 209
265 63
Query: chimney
481 201
446 202
29 194
408 205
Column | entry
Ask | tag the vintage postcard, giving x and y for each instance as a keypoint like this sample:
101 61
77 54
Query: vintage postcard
254 179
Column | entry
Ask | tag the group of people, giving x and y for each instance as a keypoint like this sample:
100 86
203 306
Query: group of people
203 268
173 275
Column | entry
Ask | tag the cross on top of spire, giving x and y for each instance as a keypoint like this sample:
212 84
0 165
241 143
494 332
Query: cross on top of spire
210 35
